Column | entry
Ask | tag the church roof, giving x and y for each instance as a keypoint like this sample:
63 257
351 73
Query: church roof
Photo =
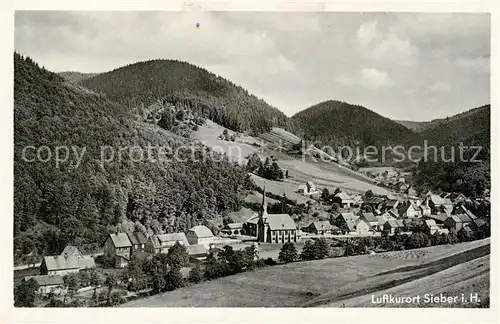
281 222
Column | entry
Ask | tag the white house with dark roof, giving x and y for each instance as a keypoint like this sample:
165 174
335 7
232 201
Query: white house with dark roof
162 242
200 234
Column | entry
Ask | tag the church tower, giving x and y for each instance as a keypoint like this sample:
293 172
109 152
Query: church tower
263 224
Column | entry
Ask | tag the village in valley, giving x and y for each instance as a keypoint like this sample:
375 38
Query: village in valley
169 181
337 224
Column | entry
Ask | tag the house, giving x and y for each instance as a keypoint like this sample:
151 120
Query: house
250 226
49 284
73 251
411 191
275 228
375 203
118 244
343 199
362 226
390 204
392 225
307 189
320 228
458 198
198 251
357 200
463 210
233 229
382 219
200 234
431 227
409 210
370 219
439 218
438 204
425 210
62 265
160 243
346 221
456 222
478 224
138 241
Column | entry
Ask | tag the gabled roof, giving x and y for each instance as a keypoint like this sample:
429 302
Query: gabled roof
281 222
234 226
391 203
439 217
58 262
71 250
201 231
323 226
343 196
169 239
120 240
137 238
369 217
464 218
479 222
430 223
437 200
47 280
394 223
254 219
86 263
197 249
455 218
350 220
462 210
424 207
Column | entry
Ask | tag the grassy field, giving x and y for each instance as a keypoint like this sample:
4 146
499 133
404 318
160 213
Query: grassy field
341 282
322 173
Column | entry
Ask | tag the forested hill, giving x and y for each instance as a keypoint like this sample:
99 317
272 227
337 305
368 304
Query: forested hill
76 77
80 203
471 127
144 83
338 123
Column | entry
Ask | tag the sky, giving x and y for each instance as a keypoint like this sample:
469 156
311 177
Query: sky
401 65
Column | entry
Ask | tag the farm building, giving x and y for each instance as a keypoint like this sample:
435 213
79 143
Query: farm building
392 225
320 228
62 265
343 199
250 226
200 234
49 284
233 229
162 242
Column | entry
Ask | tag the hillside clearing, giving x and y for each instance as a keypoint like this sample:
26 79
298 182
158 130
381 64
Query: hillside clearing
332 281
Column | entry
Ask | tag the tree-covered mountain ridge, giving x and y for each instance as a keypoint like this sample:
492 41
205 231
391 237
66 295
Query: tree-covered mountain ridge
82 200
142 84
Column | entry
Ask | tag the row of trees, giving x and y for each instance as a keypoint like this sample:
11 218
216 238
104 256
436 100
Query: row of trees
269 169
316 250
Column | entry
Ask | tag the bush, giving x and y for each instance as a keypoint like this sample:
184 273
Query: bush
174 279
288 253
315 251
195 275
270 262
417 240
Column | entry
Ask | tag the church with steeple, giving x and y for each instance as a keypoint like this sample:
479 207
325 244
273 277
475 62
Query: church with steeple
275 228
